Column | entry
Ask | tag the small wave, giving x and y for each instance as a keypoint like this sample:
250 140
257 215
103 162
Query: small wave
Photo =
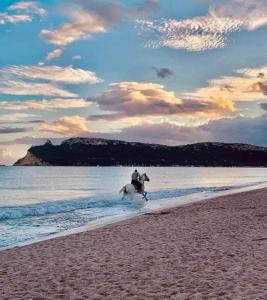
65 206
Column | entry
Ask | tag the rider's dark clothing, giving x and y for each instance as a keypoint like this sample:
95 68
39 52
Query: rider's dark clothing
135 181
137 184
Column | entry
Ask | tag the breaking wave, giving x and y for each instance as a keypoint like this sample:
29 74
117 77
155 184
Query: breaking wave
103 201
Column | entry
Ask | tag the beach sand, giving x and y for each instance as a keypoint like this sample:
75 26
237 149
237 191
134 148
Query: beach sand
215 249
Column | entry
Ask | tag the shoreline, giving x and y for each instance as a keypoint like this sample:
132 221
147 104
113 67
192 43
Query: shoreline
166 204
213 249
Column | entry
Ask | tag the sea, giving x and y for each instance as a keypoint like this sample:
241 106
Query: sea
38 203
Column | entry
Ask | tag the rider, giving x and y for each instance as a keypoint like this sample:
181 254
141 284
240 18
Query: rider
136 180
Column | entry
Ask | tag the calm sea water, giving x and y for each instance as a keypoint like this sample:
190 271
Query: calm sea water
37 202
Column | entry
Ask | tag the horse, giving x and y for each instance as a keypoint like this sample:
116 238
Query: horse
129 189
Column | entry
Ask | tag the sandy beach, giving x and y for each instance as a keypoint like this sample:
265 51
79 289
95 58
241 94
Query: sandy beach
215 249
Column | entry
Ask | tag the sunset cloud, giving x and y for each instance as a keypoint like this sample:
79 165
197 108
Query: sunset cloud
249 84
67 126
134 99
51 73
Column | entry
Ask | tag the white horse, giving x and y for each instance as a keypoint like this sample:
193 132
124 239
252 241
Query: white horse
129 189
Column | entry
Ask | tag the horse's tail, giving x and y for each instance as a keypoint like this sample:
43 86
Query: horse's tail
123 190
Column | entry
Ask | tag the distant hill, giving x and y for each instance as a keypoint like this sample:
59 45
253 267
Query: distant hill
101 152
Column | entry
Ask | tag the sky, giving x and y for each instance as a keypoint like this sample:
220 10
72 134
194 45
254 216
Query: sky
158 71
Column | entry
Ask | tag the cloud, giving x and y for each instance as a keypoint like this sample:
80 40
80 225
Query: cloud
251 13
163 133
31 7
249 84
133 99
13 19
54 54
226 130
92 17
197 34
205 32
25 9
241 129
51 73
14 80
12 87
51 104
5 156
83 25
150 5
76 57
163 72
16 117
8 130
68 126
31 140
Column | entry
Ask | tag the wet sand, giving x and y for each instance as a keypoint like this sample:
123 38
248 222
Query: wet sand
215 249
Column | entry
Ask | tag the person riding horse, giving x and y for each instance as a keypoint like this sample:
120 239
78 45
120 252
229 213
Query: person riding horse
136 181
137 185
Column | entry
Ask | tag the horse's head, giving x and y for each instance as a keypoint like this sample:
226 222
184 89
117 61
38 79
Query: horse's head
145 177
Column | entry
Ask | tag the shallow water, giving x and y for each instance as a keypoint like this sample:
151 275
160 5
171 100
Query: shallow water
37 202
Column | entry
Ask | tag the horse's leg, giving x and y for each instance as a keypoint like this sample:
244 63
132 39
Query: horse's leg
144 196
124 191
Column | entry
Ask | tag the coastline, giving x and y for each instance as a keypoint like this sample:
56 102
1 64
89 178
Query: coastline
163 204
213 249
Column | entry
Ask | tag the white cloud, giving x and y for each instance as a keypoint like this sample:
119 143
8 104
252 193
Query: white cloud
29 7
24 12
251 13
44 104
206 32
197 34
54 54
7 18
51 73
13 87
